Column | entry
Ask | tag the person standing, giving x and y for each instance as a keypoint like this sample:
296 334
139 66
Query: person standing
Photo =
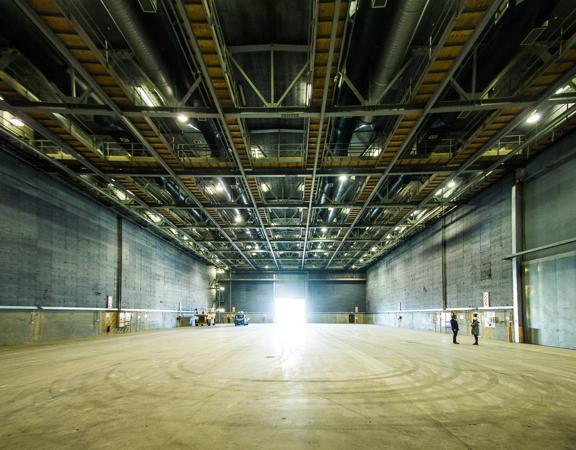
194 318
454 326
475 328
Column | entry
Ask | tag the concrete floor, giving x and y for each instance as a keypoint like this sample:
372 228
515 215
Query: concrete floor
264 387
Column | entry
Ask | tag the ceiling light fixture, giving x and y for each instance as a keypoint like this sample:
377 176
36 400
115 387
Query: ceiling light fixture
16 122
182 118
451 184
264 187
144 96
374 249
219 187
238 219
323 229
153 217
343 178
534 118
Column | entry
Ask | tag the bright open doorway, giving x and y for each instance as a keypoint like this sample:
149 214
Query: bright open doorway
290 311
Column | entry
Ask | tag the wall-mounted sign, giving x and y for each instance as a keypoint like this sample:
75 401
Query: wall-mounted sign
486 299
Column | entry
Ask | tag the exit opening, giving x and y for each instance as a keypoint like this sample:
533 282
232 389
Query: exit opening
290 311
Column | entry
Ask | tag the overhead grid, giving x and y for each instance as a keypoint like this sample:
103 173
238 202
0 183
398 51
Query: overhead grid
307 143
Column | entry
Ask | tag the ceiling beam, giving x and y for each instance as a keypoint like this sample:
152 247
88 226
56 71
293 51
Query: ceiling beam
283 172
297 112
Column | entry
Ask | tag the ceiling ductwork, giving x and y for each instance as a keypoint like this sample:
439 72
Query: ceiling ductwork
127 16
404 26
405 23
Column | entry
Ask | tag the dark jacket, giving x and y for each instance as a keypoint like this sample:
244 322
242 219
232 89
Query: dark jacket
475 327
454 324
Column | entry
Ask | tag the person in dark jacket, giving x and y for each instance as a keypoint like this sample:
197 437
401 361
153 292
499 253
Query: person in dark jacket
454 326
475 328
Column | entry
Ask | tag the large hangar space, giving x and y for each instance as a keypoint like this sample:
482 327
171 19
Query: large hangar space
317 224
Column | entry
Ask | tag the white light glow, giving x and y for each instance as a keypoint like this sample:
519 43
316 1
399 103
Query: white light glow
154 217
451 184
534 118
264 187
16 122
238 219
323 229
144 96
219 187
289 311
374 249
182 118
343 178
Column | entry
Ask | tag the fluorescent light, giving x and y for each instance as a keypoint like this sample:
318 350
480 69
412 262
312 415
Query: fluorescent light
253 253
451 184
174 231
374 249
308 92
144 96
182 118
153 217
238 219
346 210
323 229
118 193
1 98
361 259
562 90
534 118
16 122
264 187
185 237
301 187
249 247
343 178
266 266
209 190
219 187
330 208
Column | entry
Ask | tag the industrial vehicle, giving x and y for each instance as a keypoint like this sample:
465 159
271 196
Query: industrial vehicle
241 319
205 319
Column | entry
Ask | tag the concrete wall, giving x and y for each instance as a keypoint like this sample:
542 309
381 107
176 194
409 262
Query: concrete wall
477 238
549 194
405 288
59 249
